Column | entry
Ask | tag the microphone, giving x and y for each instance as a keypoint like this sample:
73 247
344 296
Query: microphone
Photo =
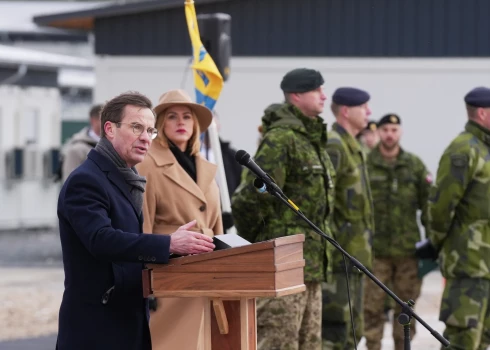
243 158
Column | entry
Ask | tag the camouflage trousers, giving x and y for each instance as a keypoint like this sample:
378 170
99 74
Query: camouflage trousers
465 311
402 274
292 322
336 322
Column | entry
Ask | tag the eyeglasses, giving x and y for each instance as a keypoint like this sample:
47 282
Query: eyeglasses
138 129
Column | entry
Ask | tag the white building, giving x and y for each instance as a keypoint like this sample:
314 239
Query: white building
46 84
30 133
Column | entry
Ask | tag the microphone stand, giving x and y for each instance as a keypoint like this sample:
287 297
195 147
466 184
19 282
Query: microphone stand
407 312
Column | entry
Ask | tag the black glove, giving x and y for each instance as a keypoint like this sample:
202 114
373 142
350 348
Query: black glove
227 220
425 250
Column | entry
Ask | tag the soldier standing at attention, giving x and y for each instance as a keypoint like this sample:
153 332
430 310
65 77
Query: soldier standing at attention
352 218
460 213
400 185
293 152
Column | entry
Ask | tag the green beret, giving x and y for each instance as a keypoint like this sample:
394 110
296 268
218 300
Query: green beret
390 119
301 80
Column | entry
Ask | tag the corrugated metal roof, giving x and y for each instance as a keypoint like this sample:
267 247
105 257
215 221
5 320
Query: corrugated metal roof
331 28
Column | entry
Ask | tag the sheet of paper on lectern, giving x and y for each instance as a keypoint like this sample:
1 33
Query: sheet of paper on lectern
230 240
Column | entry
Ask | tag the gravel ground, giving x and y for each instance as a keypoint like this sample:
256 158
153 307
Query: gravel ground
31 286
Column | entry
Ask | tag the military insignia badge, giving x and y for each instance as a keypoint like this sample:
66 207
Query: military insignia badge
394 119
372 127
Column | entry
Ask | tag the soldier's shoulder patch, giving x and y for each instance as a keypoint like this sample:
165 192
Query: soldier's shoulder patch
335 157
334 141
459 160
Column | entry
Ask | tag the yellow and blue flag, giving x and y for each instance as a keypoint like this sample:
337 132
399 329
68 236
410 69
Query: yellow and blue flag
207 78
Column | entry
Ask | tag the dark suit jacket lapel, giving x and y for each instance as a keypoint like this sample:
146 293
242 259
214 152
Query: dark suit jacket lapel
114 176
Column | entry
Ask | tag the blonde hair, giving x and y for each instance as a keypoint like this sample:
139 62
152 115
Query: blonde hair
194 143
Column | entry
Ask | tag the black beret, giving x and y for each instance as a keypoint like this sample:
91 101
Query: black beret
348 96
301 80
478 97
390 119
371 125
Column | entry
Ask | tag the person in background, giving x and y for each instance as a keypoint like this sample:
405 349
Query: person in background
80 144
353 221
293 151
181 187
459 208
400 185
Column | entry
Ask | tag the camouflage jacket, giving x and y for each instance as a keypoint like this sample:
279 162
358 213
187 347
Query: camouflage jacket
292 152
353 222
399 190
364 148
460 205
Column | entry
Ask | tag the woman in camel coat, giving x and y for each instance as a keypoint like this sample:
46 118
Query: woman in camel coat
181 187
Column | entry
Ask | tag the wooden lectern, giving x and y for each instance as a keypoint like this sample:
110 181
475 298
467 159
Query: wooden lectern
232 278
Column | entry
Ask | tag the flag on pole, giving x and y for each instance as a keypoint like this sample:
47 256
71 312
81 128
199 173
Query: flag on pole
208 81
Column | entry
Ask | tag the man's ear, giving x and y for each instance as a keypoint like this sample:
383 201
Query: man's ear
109 129
294 97
344 111
481 114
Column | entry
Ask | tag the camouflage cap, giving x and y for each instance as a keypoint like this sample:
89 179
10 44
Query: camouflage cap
301 80
478 97
390 119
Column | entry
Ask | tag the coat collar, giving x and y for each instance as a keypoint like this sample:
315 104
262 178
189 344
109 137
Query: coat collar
478 131
114 176
165 160
353 144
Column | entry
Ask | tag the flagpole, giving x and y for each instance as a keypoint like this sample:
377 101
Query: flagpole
213 83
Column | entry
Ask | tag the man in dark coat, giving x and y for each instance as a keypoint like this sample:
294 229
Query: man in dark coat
100 219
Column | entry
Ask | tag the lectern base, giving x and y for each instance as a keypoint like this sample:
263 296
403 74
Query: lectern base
233 324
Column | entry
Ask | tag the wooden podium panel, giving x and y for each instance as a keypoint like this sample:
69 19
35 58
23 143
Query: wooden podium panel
232 279
241 319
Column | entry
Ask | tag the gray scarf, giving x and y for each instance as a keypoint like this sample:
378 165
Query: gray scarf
136 182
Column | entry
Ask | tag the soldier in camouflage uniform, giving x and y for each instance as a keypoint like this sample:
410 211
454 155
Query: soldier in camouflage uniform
460 230
352 218
400 185
368 137
293 152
